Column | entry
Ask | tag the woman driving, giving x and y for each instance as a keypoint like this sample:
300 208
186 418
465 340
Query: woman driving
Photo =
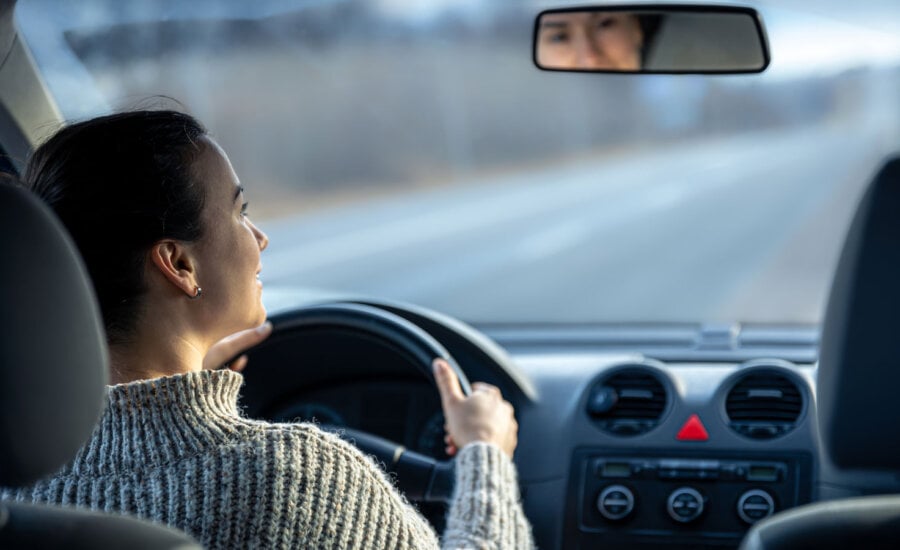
160 218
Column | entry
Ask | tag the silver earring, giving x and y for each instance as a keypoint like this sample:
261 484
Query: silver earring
197 294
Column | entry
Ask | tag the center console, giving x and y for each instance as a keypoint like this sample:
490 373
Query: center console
665 499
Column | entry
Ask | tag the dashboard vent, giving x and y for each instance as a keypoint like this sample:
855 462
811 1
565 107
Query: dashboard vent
764 405
630 402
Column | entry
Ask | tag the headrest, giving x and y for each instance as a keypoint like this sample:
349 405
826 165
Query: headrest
53 358
859 359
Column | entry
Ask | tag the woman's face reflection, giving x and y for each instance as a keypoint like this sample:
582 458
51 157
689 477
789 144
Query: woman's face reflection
591 41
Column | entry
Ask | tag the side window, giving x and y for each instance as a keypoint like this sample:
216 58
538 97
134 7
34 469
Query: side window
6 165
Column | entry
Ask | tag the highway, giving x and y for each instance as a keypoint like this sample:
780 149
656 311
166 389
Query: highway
733 229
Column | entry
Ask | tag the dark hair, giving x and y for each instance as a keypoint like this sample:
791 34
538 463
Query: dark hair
650 25
120 183
9 179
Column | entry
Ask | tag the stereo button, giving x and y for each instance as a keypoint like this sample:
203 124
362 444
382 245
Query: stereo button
755 505
615 502
685 504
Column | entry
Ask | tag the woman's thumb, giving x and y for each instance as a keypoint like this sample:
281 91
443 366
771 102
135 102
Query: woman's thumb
447 382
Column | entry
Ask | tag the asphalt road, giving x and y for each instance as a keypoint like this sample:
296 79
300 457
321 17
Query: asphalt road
744 229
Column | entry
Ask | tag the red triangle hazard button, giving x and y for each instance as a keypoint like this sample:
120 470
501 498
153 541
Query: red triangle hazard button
693 430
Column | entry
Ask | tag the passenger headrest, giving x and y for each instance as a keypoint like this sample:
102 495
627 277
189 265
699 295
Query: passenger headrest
53 358
859 360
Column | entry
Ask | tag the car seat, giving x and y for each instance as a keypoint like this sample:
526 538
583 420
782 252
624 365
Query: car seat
53 371
858 384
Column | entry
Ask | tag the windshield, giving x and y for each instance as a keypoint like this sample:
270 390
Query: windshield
411 150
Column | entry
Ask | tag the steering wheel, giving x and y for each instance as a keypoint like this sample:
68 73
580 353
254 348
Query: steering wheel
420 477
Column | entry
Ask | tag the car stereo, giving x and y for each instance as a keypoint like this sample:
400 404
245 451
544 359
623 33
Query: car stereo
662 499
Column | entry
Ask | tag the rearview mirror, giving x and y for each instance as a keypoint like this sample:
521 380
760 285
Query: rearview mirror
651 39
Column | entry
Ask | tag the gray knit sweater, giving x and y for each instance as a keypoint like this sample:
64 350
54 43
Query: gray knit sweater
177 450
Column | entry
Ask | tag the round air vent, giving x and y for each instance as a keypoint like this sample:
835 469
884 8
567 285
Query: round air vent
764 404
629 402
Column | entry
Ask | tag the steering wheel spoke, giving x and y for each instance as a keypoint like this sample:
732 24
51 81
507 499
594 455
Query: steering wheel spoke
422 478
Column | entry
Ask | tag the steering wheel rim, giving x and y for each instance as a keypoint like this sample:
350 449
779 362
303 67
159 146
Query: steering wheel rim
420 477
417 343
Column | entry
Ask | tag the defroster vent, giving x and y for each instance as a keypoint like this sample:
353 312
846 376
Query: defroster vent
629 402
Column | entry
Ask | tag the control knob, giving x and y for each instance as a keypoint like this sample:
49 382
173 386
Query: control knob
685 504
615 502
755 505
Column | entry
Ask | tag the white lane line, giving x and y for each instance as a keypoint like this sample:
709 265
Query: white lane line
668 196
555 239
506 203
431 225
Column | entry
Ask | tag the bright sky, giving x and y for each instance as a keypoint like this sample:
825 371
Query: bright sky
804 43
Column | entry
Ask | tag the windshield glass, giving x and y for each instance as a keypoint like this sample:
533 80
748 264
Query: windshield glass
411 150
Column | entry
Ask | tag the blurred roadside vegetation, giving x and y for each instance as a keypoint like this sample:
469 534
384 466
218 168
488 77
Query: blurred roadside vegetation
343 98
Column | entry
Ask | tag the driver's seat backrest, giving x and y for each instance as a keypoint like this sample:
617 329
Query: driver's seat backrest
859 357
857 384
53 372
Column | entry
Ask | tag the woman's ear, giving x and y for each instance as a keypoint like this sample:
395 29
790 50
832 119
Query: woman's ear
173 260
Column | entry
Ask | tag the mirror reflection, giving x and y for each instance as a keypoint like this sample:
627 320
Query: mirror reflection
594 40
665 41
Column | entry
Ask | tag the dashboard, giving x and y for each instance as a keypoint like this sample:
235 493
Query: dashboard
649 454
629 436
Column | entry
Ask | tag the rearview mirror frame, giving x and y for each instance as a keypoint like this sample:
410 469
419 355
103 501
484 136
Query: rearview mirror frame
657 9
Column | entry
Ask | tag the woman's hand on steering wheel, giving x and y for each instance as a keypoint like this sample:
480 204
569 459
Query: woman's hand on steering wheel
228 347
472 415
482 416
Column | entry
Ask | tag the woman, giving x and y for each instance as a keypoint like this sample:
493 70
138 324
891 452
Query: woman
159 216
595 40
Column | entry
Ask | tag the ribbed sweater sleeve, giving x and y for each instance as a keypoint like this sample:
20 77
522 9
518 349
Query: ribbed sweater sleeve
486 512
177 451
